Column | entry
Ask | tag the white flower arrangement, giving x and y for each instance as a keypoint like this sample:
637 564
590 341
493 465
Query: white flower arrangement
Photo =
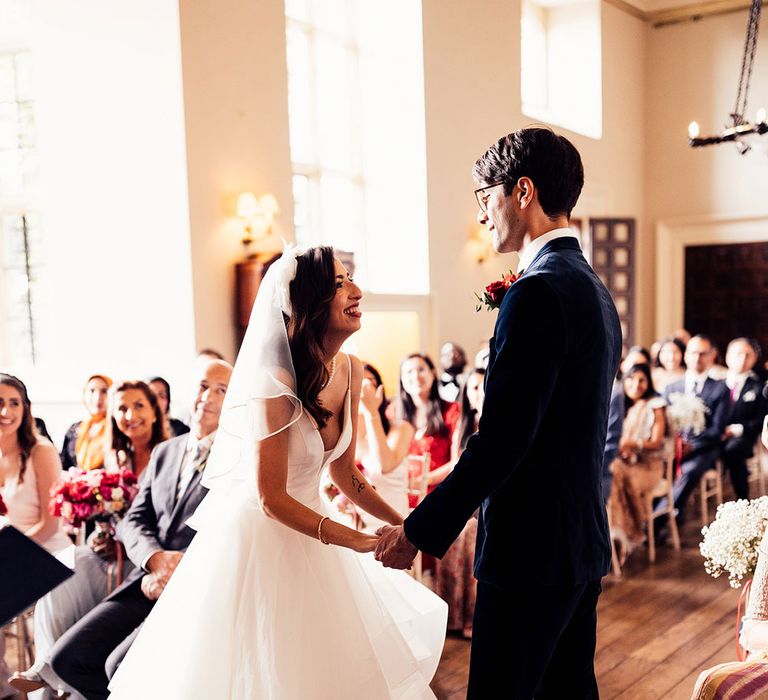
732 541
687 412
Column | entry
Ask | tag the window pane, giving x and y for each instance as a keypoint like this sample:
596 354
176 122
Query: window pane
24 76
298 9
342 207
7 79
301 210
300 106
9 125
335 91
332 16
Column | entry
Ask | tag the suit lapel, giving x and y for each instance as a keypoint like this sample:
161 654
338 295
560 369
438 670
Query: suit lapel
173 474
192 487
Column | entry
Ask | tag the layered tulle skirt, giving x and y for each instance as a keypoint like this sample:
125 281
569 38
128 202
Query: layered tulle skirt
257 610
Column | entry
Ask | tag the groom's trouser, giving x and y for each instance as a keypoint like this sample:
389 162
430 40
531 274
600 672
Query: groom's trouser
80 655
534 643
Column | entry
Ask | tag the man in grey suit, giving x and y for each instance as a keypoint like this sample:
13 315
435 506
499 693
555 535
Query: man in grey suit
155 535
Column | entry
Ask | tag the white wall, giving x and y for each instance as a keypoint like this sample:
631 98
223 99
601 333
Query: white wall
113 193
693 72
236 103
472 87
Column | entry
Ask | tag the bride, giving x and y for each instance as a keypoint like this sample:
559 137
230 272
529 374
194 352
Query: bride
273 599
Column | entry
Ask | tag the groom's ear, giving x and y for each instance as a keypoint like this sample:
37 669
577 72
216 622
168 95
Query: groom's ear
526 192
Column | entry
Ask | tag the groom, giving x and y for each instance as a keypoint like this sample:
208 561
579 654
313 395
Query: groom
534 466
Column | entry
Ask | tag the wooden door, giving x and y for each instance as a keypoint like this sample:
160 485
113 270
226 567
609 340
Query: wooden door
726 292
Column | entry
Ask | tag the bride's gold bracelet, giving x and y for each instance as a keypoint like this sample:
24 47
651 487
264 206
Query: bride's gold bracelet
320 529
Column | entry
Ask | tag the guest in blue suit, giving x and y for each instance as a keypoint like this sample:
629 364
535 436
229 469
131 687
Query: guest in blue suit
746 410
700 452
534 466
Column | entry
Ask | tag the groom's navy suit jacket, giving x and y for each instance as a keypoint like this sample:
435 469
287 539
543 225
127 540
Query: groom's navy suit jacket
534 466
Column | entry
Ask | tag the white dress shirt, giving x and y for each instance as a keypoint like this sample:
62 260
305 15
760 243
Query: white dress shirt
694 383
530 251
735 383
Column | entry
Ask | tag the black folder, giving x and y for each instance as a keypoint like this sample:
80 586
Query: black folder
27 572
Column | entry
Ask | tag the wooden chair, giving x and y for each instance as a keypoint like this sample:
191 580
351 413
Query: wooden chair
417 467
19 629
663 489
711 486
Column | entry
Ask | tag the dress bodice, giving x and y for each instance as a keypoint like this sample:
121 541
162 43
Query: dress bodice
307 456
23 503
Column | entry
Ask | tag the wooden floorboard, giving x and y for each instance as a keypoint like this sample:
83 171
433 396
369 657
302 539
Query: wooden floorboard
659 627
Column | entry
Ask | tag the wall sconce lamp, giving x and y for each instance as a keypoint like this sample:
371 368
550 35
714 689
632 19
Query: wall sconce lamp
258 213
479 243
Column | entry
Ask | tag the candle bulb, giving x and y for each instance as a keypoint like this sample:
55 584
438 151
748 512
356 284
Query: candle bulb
693 130
760 117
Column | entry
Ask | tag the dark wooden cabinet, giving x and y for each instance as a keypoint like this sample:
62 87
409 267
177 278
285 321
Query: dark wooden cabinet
248 276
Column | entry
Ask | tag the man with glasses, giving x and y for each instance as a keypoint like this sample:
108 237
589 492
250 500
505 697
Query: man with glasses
534 467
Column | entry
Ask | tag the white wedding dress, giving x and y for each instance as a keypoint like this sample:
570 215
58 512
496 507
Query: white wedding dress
258 610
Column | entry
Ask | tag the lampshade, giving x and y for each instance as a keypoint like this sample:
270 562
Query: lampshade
248 206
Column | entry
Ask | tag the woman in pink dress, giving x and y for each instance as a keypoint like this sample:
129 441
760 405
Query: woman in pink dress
29 466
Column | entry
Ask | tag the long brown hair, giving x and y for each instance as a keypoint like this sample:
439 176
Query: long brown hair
27 434
435 405
468 418
312 291
116 439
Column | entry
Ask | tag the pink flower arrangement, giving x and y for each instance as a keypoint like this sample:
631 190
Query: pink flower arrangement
92 495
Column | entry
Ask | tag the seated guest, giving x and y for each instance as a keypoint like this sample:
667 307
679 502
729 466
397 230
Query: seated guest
155 536
85 441
162 390
639 462
453 360
382 443
482 355
700 452
455 582
636 355
670 365
29 466
747 408
433 419
135 425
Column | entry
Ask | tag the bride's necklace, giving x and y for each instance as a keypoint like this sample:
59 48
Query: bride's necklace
331 375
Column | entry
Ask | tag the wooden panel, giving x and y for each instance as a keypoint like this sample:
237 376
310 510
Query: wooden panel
612 256
248 276
726 291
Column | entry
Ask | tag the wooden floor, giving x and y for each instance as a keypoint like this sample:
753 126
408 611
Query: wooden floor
659 626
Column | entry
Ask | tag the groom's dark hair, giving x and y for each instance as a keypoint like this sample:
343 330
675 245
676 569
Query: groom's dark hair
551 161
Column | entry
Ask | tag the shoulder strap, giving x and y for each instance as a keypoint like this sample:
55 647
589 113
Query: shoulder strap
349 373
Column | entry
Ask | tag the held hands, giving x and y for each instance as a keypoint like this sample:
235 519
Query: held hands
364 543
393 548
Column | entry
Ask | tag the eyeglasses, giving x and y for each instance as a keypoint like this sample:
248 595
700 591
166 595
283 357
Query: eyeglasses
482 197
